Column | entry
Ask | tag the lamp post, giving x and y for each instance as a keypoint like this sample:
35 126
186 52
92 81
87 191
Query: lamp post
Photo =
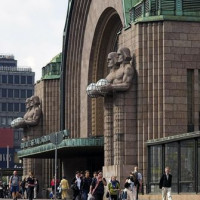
56 138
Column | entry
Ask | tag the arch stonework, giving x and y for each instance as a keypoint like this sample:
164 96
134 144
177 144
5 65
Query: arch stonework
93 34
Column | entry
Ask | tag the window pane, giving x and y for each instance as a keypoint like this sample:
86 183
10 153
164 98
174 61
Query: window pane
156 167
3 120
4 78
10 93
29 80
23 109
9 119
187 166
4 107
171 156
29 93
16 107
10 107
23 93
4 92
16 93
16 79
23 79
10 79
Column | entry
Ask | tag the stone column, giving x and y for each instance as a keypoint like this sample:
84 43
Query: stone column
108 132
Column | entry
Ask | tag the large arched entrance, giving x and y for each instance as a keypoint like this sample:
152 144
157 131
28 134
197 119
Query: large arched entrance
105 40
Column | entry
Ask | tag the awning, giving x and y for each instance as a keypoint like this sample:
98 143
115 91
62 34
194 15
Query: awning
67 148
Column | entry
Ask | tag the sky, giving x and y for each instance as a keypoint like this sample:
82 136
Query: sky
32 31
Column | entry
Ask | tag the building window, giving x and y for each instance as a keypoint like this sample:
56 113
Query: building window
156 167
23 79
190 100
4 93
4 106
29 80
23 93
187 181
3 121
23 108
10 79
9 119
16 93
29 93
171 156
16 107
16 79
10 107
10 93
4 78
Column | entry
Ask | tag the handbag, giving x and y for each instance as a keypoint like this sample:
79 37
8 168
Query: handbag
90 197
107 194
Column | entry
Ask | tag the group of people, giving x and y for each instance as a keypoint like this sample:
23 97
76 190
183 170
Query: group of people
27 188
84 187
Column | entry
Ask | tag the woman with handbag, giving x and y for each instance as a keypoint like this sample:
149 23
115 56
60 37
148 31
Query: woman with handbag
113 188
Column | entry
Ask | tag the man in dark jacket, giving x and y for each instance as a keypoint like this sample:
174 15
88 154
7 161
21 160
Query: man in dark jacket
165 184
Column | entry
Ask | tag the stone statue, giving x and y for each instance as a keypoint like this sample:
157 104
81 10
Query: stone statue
32 115
119 78
121 74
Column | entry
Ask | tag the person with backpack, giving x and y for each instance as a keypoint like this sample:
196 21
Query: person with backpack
139 177
132 189
14 184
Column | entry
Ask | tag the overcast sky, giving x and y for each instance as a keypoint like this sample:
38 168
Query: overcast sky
32 31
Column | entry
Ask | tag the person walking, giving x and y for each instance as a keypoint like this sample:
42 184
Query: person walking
64 186
76 185
139 178
23 186
36 188
85 189
97 189
113 188
31 185
132 183
14 184
165 184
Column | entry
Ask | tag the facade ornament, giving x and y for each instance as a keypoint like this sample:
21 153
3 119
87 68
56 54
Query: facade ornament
119 78
32 115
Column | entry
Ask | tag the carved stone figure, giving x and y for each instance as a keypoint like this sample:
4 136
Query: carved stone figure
32 115
121 74
119 78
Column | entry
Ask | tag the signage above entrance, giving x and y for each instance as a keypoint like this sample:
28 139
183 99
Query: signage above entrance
44 139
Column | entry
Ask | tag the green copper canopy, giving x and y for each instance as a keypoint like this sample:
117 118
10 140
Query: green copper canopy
160 10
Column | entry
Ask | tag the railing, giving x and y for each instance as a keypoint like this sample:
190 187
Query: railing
146 8
15 69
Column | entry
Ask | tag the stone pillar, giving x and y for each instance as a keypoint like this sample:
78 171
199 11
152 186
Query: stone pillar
124 135
108 140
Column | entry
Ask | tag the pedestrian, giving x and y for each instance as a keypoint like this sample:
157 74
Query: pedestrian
36 188
85 189
23 186
64 186
14 184
132 189
1 190
97 189
76 185
31 185
139 177
113 188
165 184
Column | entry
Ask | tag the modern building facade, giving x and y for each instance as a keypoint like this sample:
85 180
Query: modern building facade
159 124
16 84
